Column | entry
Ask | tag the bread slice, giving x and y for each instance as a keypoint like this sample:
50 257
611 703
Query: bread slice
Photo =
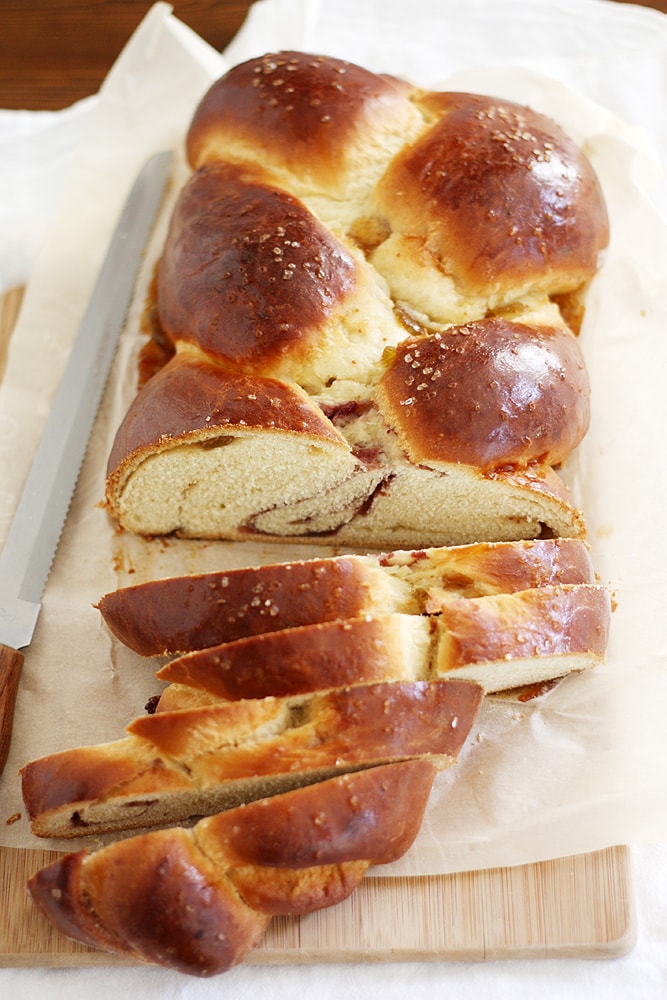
198 900
501 641
173 766
181 614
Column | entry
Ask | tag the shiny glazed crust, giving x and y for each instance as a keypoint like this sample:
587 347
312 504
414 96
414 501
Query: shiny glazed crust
181 614
199 900
192 762
400 271
502 641
306 114
225 292
431 393
466 187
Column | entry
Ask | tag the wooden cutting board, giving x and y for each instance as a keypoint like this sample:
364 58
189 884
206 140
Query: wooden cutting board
580 906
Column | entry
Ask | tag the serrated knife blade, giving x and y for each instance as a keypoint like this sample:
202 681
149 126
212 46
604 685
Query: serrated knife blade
34 535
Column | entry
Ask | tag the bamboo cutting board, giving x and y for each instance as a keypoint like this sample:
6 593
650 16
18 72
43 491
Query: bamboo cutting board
580 906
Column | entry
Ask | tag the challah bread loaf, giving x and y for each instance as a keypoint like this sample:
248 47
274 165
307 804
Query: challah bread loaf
501 641
362 332
198 900
181 614
193 762
376 286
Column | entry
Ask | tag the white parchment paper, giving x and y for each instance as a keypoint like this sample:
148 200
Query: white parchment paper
579 769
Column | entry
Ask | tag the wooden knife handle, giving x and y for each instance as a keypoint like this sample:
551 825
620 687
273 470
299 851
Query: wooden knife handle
11 662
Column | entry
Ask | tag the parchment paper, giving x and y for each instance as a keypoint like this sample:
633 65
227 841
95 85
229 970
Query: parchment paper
580 768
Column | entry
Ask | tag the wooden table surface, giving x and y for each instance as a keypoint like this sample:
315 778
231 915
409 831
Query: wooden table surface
54 52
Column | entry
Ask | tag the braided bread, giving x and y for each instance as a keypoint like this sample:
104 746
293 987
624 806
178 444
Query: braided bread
363 332
196 611
363 325
174 765
501 642
198 900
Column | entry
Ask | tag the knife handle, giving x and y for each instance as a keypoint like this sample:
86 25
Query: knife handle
11 662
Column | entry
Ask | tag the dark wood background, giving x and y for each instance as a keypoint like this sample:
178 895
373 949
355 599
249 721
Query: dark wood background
53 52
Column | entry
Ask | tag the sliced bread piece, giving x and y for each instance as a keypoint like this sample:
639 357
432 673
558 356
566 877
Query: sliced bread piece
502 641
198 900
176 765
181 614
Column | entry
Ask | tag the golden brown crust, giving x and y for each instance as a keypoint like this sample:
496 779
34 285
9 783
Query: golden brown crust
294 892
157 899
495 567
182 614
374 814
499 195
294 661
343 727
199 900
192 399
58 891
548 621
298 111
193 612
248 273
240 751
492 393
548 631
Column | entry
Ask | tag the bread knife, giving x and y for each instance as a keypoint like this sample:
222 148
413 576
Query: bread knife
34 534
